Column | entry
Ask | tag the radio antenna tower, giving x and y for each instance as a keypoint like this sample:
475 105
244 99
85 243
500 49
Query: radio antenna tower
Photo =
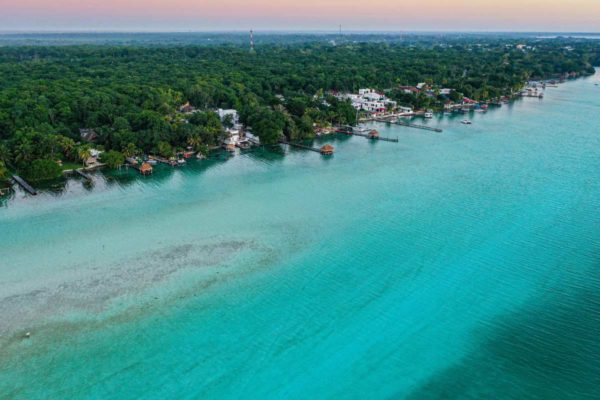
251 41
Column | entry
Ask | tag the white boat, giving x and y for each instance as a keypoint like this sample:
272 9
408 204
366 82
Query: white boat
181 161
428 115
466 122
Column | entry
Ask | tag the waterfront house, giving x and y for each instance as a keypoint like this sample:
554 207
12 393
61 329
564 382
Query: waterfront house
232 137
373 106
327 150
223 113
369 100
146 169
374 134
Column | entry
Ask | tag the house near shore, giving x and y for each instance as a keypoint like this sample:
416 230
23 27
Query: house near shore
409 90
88 135
374 134
146 169
232 137
327 150
368 100
223 113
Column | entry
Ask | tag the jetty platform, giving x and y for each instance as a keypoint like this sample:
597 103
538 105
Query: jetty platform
325 150
349 130
24 184
410 125
83 174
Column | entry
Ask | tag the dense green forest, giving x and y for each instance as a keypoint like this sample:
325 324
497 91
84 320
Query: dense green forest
130 95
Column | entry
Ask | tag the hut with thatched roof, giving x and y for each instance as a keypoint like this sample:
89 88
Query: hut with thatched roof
146 169
374 134
327 150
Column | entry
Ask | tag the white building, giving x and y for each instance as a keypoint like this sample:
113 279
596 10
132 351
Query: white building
373 106
370 94
233 137
234 115
368 100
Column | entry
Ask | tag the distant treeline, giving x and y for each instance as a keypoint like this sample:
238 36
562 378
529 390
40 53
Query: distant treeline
130 94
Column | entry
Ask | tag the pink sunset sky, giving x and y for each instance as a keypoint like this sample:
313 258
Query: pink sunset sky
382 15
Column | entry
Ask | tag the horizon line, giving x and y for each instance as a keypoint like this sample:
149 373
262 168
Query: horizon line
297 31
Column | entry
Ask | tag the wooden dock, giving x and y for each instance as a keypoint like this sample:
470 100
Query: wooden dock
366 135
302 146
164 160
83 174
23 183
409 125
349 130
325 150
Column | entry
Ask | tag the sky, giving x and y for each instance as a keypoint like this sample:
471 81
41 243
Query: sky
296 15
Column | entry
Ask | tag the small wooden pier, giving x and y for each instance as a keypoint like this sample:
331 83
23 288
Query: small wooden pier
325 150
349 130
83 175
409 125
163 160
24 184
144 168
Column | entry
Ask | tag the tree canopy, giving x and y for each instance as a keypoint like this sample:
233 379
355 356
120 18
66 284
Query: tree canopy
130 95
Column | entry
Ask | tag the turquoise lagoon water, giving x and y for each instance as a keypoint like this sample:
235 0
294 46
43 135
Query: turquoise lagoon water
454 265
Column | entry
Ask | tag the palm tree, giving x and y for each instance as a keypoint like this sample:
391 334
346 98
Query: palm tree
4 153
130 150
3 171
84 152
66 144
22 152
194 141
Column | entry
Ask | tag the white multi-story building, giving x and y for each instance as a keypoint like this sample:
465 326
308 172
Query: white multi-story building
368 100
234 115
374 106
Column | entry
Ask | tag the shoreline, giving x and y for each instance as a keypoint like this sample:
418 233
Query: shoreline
218 150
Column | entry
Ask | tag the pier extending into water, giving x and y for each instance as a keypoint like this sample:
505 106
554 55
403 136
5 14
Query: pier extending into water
24 184
83 174
325 150
349 130
163 160
302 146
409 125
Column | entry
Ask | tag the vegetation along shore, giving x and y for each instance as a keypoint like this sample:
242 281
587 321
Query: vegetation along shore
75 106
